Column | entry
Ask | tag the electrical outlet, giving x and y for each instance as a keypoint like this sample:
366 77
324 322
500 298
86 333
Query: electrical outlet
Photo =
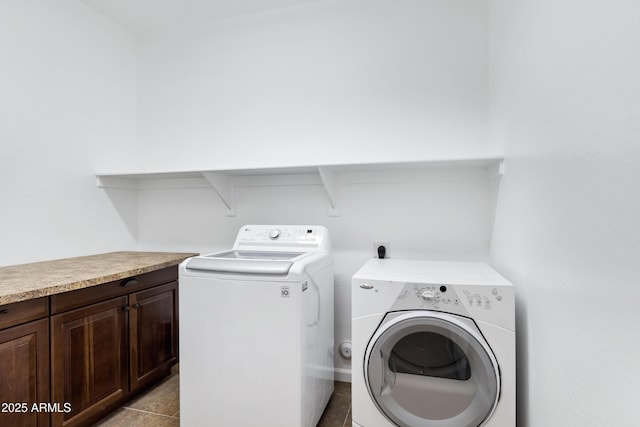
386 245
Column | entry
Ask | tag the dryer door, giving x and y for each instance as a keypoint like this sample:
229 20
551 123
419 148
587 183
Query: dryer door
431 369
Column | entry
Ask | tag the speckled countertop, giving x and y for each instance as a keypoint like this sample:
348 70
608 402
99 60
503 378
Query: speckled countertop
39 279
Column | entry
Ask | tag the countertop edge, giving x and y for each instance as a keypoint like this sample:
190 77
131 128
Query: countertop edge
47 291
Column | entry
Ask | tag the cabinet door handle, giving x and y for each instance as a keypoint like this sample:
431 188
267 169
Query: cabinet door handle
136 305
130 282
4 311
125 308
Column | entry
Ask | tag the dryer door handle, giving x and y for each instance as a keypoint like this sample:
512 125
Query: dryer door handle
380 376
388 376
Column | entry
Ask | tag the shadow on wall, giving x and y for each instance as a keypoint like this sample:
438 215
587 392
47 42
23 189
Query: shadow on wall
125 202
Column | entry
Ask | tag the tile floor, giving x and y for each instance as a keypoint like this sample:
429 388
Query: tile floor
160 407
338 411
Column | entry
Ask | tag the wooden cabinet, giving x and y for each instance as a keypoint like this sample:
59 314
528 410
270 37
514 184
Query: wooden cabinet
24 374
70 358
111 341
89 360
153 333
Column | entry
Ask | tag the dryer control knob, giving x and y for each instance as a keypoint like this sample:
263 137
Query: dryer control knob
274 234
427 295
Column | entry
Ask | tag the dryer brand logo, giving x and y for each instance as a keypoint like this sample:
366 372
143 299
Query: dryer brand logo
285 292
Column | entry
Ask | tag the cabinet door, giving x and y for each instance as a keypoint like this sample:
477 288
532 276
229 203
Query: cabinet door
153 333
89 361
24 374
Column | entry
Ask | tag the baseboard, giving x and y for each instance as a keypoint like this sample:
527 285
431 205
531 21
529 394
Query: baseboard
343 375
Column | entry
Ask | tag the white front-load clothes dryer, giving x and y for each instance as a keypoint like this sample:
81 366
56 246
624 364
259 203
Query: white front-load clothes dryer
433 345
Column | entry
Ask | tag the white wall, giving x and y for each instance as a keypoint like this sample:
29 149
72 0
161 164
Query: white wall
336 81
351 81
329 82
67 104
433 214
566 105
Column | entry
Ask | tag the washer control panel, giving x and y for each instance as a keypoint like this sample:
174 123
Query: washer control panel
274 234
280 235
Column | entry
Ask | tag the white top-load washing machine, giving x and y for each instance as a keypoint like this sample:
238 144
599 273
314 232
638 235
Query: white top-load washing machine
256 330
433 345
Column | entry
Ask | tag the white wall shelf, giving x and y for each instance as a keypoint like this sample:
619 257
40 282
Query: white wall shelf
224 181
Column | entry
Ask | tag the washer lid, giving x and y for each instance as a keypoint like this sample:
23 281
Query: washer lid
247 262
431 369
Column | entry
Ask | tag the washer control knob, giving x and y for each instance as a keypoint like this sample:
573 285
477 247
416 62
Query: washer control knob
274 234
427 295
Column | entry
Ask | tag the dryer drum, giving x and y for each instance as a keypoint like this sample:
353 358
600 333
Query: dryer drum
429 369
429 354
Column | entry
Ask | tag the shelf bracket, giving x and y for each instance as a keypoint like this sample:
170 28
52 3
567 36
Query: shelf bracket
328 177
115 182
224 188
501 168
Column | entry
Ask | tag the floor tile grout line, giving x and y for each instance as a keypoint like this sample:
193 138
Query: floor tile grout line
346 417
149 412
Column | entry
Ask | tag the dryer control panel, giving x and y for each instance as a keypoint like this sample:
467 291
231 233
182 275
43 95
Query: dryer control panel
480 302
429 296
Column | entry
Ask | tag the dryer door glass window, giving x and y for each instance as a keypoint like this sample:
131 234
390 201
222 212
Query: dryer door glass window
429 354
432 370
